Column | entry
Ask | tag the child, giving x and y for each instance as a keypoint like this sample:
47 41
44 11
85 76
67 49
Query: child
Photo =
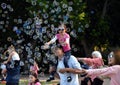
113 71
64 40
95 62
34 68
33 79
13 56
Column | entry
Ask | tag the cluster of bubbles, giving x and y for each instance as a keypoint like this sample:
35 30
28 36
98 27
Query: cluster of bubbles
35 31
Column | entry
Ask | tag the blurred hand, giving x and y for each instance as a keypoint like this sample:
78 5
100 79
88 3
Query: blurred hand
62 70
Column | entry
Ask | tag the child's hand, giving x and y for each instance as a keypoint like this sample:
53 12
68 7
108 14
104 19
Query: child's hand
5 62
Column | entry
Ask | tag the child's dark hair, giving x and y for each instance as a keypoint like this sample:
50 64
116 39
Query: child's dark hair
36 76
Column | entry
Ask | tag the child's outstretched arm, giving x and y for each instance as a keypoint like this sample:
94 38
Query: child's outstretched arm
52 40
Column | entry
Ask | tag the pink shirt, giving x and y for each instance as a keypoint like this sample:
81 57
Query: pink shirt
113 72
62 39
38 83
94 62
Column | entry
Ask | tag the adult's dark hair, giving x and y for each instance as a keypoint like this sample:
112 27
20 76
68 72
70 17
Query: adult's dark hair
57 48
36 76
117 56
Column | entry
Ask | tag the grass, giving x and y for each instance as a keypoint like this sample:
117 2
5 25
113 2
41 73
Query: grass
25 82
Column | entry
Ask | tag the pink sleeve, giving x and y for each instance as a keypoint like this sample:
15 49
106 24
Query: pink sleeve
91 60
37 83
36 67
109 71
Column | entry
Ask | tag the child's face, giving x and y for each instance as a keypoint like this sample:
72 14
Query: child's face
62 30
32 79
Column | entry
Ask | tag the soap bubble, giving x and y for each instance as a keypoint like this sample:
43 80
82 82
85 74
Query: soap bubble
70 9
15 20
4 30
3 15
9 39
8 6
15 28
20 21
87 26
34 3
3 5
64 6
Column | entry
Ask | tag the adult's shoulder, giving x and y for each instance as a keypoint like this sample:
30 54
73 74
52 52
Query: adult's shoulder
73 57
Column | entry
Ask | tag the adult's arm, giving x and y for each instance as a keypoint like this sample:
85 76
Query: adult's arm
108 72
76 68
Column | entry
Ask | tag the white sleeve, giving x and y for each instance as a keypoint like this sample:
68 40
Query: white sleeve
75 63
54 39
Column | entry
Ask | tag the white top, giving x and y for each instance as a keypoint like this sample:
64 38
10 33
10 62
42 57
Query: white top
73 63
3 67
22 63
15 57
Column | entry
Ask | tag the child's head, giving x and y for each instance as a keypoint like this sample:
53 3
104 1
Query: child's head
11 48
33 78
62 29
96 54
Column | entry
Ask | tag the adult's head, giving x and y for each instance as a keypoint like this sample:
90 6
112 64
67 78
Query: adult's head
58 51
116 57
96 54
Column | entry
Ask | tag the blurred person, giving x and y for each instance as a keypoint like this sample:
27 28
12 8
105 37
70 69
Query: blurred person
95 62
113 71
34 68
